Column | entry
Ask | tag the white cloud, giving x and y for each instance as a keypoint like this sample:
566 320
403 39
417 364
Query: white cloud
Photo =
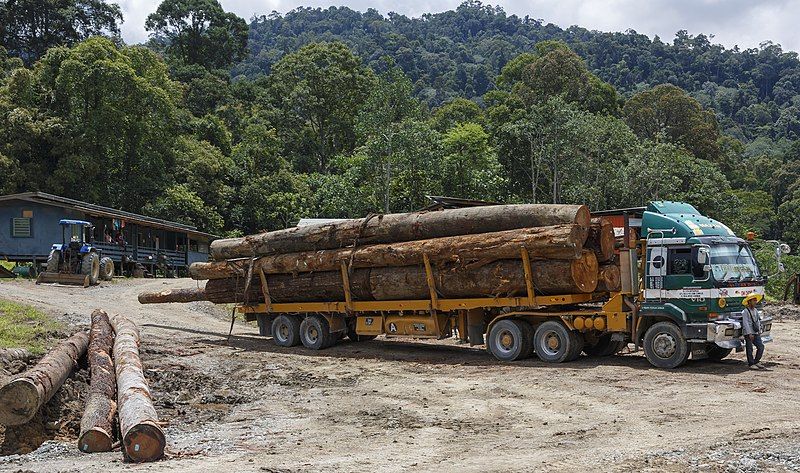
745 23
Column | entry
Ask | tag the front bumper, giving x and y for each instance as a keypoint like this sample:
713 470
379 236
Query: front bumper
726 333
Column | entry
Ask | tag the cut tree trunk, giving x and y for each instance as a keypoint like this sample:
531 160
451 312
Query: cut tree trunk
601 239
7 355
554 242
22 397
172 295
142 437
97 424
609 278
393 228
497 279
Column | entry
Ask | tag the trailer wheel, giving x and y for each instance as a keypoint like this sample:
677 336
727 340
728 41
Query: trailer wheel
315 332
106 268
53 261
90 266
716 352
286 331
553 342
578 342
665 345
604 347
510 340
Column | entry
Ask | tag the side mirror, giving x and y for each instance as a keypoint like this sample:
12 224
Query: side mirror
702 257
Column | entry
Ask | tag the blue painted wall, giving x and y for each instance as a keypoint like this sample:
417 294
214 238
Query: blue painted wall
45 228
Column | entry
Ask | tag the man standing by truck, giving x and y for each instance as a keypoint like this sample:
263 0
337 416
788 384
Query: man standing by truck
751 330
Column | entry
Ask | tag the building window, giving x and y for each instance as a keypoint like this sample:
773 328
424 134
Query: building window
21 227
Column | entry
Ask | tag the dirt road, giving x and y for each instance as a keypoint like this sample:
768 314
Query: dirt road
390 405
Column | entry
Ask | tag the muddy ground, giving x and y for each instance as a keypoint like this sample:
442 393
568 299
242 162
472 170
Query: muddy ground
389 405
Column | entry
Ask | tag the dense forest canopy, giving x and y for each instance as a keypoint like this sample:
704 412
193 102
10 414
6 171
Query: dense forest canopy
337 113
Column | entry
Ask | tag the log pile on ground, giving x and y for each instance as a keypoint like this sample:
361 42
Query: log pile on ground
97 434
473 252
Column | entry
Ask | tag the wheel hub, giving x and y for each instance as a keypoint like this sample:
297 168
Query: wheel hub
664 345
506 341
313 334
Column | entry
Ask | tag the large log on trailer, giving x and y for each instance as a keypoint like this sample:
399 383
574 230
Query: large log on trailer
601 239
497 279
393 228
609 278
172 295
553 242
142 437
97 424
22 397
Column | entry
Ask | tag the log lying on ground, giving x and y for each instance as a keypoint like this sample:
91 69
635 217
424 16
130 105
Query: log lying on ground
97 424
22 397
601 239
609 278
497 279
553 242
7 355
172 295
393 228
142 438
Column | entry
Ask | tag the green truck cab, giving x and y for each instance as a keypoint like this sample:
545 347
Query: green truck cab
696 272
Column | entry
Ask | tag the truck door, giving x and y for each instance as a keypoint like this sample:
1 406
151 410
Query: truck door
656 270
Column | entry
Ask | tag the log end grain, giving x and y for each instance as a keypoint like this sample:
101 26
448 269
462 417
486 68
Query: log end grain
584 272
20 402
144 442
95 440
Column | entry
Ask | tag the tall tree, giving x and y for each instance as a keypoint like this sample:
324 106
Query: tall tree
199 32
28 28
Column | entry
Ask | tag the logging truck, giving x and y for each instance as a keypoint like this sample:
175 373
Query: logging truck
521 280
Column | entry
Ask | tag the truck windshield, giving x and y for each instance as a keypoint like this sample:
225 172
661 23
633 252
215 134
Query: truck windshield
733 262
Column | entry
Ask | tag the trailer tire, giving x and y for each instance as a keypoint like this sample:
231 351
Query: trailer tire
605 346
53 261
665 346
286 331
717 353
578 342
509 340
315 333
553 342
106 268
90 266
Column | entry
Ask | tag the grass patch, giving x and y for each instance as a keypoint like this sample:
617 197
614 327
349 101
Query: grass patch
7 264
23 326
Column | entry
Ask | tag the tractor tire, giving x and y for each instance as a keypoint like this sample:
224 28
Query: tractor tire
717 353
665 346
315 333
106 269
90 266
286 330
509 340
553 342
578 342
53 261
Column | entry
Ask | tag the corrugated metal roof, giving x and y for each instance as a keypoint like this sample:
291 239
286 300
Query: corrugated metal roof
101 211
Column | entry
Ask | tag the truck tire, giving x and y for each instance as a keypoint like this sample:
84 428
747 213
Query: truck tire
286 330
578 342
315 332
716 352
53 261
553 342
604 347
510 340
106 269
90 266
665 345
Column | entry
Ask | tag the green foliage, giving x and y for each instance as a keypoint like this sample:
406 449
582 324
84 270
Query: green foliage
470 167
179 203
23 326
199 32
755 212
455 112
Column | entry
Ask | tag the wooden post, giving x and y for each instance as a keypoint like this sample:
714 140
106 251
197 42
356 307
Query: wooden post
431 282
265 290
97 433
526 265
348 298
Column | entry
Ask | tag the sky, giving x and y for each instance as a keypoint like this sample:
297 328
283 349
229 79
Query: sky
745 23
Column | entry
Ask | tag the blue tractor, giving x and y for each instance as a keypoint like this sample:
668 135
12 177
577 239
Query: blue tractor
75 260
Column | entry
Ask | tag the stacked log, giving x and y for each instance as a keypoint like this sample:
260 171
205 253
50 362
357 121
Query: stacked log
97 424
26 393
601 239
609 278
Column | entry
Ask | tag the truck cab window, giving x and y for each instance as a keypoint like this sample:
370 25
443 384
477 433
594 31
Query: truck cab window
680 261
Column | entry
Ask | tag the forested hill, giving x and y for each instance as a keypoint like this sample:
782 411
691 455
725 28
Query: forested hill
459 53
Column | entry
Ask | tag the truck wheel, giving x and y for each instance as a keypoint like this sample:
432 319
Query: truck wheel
665 346
315 333
53 261
91 267
717 353
604 347
286 330
106 269
578 342
510 340
553 342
